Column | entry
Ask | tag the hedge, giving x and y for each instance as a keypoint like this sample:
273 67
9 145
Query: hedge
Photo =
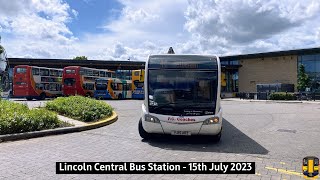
17 118
282 96
80 108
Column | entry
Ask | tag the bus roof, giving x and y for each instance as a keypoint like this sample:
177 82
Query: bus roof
17 66
173 61
82 67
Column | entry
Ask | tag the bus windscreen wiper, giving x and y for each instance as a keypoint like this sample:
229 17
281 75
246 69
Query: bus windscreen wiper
165 105
201 104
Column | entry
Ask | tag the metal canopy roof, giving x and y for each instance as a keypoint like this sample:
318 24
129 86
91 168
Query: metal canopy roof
130 65
60 63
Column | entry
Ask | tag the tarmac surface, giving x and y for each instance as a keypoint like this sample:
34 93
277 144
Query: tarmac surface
276 136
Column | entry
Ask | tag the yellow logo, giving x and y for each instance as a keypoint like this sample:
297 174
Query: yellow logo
310 167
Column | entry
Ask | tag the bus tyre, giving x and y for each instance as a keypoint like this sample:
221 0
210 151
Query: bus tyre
120 96
88 95
42 96
217 137
144 134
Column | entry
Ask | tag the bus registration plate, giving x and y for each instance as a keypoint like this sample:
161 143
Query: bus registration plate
181 133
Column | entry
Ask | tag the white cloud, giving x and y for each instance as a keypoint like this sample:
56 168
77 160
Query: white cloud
245 21
36 28
224 27
75 13
247 26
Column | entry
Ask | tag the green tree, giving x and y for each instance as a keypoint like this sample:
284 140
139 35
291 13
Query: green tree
303 79
80 58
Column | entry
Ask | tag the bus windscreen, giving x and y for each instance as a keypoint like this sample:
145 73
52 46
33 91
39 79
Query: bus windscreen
183 92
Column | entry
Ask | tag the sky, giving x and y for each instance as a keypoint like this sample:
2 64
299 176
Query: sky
133 29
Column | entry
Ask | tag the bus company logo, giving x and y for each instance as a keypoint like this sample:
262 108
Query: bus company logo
181 119
310 167
171 119
208 112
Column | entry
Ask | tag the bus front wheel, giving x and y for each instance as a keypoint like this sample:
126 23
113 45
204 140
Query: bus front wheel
216 138
144 134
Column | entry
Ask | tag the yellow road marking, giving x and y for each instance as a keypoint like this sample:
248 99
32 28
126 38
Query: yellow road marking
290 172
282 163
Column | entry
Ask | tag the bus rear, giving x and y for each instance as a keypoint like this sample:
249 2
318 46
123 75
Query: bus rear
137 84
101 89
22 82
72 81
182 96
112 88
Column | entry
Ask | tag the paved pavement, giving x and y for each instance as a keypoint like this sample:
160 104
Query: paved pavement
274 135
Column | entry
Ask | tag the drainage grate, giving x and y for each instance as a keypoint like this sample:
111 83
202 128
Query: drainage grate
287 130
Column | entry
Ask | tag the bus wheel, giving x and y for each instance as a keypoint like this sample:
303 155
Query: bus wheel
120 96
88 95
42 96
144 134
29 98
217 137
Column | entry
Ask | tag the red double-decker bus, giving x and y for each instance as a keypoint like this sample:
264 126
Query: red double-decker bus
79 80
32 82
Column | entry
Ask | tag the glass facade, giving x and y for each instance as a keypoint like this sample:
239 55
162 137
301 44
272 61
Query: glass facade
312 67
229 76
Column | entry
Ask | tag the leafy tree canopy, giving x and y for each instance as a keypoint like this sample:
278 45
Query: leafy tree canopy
80 58
303 79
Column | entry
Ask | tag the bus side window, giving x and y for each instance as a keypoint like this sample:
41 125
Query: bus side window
39 86
44 72
102 74
88 86
35 71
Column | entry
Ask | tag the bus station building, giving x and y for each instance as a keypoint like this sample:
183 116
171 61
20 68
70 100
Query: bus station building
240 73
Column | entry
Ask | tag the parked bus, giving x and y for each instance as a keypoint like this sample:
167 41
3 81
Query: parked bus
182 96
80 80
5 87
137 84
32 82
113 88
124 74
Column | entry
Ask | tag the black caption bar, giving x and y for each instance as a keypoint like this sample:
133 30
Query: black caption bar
155 167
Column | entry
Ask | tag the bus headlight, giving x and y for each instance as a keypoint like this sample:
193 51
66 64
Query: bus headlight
212 120
150 118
